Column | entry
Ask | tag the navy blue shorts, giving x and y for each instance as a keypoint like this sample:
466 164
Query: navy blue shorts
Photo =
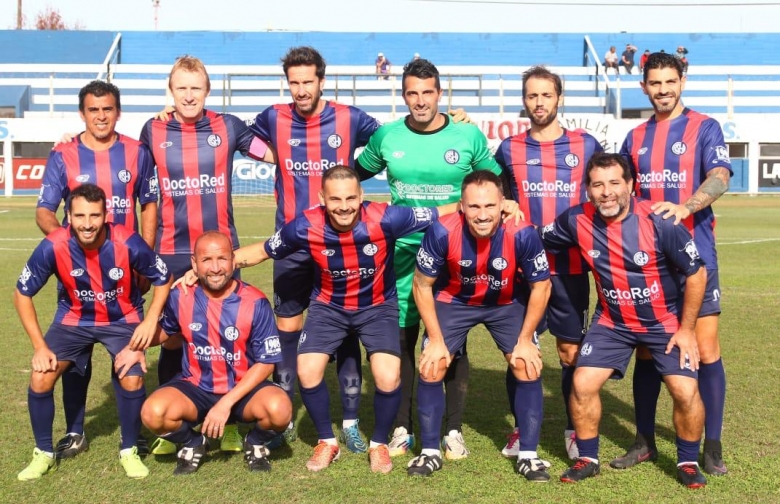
612 348
326 327
74 343
179 264
567 311
711 303
502 322
293 283
204 401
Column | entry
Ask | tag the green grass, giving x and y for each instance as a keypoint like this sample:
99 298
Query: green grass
749 273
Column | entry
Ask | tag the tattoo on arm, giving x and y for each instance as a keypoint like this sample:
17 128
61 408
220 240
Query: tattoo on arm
243 264
712 188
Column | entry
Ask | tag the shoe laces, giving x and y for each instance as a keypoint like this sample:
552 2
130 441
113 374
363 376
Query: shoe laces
688 469
580 464
513 437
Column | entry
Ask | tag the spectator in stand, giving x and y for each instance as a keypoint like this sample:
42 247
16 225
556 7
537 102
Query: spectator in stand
611 59
382 67
627 58
643 60
681 55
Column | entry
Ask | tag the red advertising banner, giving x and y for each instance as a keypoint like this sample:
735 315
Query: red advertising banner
28 172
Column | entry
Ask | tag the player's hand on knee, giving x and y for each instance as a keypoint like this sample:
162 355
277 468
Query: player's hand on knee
187 280
44 360
685 340
431 359
530 356
216 418
128 358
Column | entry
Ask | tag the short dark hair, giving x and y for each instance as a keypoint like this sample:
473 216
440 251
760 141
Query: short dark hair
304 56
605 160
89 192
541 72
339 172
422 69
660 60
98 88
479 177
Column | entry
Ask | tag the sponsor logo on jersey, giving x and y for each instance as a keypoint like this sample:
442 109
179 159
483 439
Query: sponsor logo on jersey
353 273
212 353
425 260
641 151
666 176
214 140
422 214
334 141
196 326
231 333
545 186
679 148
587 348
370 249
294 142
328 252
594 253
102 297
275 241
165 145
722 154
124 176
716 295
492 281
452 156
204 181
549 228
465 263
533 162
633 295
161 266
641 258
116 204
398 154
82 178
154 185
116 274
316 165
25 276
571 160
77 272
500 263
302 339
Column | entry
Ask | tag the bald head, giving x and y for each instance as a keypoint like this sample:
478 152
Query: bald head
212 261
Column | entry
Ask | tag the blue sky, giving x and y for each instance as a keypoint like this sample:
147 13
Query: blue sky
545 16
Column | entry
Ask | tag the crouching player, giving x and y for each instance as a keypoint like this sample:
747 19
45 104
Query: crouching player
230 345
98 302
472 269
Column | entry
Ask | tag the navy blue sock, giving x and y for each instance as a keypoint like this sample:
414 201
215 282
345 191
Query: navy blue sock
430 408
647 387
258 436
74 397
712 387
408 337
511 388
286 371
184 435
169 364
588 447
567 377
385 408
687 451
128 405
41 407
529 405
350 373
317 402
456 384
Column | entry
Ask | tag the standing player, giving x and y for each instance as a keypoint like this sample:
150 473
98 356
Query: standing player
650 285
99 302
351 245
310 135
545 169
473 269
681 162
193 150
228 330
426 156
123 168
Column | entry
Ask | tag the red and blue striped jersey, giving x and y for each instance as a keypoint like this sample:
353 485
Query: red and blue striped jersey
353 269
194 168
223 338
546 178
670 160
96 287
638 264
482 271
125 172
306 147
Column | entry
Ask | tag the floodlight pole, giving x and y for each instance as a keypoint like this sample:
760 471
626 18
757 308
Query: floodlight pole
19 14
156 5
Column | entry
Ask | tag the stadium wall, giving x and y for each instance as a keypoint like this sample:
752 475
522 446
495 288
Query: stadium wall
752 174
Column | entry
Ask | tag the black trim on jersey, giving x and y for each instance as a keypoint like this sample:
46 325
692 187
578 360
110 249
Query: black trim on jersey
446 123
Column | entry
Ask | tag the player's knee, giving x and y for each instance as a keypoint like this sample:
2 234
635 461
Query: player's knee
278 410
290 324
567 353
709 348
132 383
40 383
153 414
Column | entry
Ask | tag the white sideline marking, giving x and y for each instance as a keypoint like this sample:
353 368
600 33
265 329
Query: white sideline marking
748 242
